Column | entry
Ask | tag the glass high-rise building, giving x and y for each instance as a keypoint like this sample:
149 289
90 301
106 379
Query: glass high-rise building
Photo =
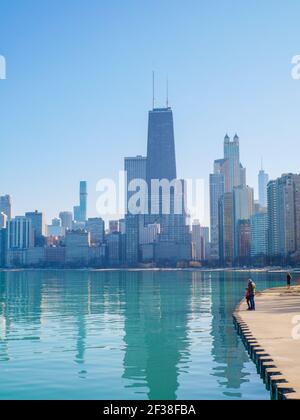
135 168
161 160
5 205
39 228
3 220
243 210
226 229
232 154
284 216
96 227
19 233
273 220
216 185
229 175
244 241
80 212
263 179
161 165
259 234
83 201
200 240
66 218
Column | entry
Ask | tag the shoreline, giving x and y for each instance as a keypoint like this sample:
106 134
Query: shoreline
269 335
140 269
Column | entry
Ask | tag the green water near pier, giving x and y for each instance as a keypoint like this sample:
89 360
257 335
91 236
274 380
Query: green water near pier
125 335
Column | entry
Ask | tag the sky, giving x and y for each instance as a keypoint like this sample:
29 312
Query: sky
79 88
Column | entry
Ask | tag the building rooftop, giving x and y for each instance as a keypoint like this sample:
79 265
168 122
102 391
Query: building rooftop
168 109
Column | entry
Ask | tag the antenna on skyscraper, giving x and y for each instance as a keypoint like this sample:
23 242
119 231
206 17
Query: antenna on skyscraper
153 89
167 92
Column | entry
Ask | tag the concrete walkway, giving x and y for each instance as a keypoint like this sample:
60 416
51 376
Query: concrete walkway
273 330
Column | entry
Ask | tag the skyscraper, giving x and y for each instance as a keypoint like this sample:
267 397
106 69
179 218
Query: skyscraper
226 228
77 248
221 166
232 154
284 215
38 224
273 220
244 241
3 233
56 230
216 185
243 176
229 175
243 210
161 160
197 240
3 220
80 212
5 205
263 179
161 165
19 233
114 249
243 203
259 234
135 167
96 227
114 226
77 214
205 242
66 218
83 201
289 213
200 239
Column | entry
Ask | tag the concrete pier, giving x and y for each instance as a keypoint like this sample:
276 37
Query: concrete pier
271 335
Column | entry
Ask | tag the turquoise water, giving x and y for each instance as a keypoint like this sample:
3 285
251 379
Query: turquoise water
124 335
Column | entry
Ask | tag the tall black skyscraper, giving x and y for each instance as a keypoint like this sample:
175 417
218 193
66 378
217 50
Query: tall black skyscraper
161 163
161 159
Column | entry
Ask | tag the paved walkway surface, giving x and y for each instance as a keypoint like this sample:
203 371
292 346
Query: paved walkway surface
276 326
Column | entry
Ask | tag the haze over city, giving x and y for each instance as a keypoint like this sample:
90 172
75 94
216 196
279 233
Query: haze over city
149 203
79 88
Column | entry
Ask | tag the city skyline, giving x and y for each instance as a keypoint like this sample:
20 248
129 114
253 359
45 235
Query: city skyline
80 212
244 231
73 111
149 202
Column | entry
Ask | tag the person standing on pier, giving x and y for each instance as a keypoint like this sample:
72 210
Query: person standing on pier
288 280
247 297
252 292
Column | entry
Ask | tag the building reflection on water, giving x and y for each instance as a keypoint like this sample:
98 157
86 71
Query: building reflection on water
157 323
227 350
156 333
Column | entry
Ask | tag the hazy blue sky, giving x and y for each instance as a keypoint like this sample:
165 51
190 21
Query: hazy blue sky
79 88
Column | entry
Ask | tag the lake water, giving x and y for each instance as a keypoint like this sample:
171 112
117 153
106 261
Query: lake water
124 335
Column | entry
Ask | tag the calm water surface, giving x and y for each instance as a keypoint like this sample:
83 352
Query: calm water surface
124 335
